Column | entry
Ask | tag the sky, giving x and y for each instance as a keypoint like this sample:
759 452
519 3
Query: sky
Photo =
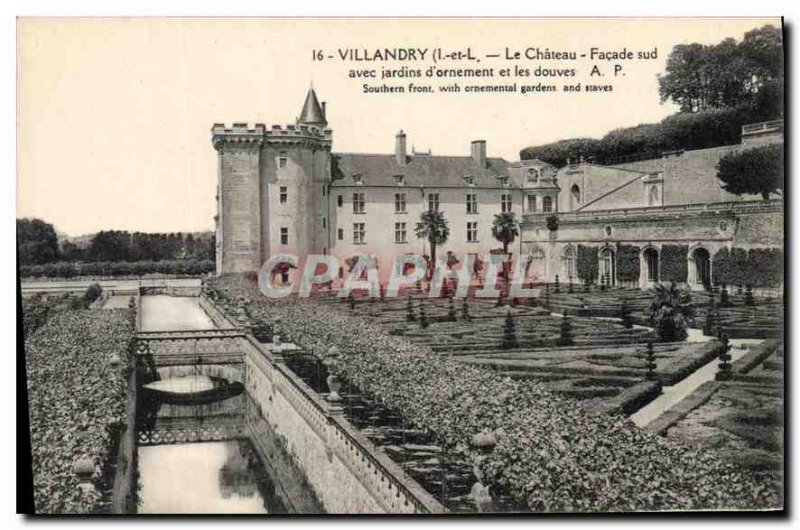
114 115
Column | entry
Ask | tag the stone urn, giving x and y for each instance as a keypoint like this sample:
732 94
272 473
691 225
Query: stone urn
334 385
479 493
484 441
276 340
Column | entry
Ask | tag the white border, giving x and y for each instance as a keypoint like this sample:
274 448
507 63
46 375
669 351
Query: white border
342 8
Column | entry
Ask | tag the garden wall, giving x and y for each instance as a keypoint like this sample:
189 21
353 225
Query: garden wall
344 469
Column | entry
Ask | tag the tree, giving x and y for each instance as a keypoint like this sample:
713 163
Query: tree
724 357
509 333
505 228
451 309
37 242
410 316
625 316
757 171
465 309
726 74
565 336
670 312
423 317
432 226
650 361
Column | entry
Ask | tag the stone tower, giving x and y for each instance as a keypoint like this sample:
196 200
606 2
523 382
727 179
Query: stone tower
272 189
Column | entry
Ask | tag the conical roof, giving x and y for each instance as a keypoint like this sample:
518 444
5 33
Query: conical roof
312 111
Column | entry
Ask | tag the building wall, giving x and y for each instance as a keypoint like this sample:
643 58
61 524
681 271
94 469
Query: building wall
239 209
380 217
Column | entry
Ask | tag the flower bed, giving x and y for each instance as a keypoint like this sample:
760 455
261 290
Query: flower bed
551 452
76 400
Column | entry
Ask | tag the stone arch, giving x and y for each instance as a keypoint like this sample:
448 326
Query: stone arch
232 373
569 263
649 266
606 266
536 270
574 197
700 267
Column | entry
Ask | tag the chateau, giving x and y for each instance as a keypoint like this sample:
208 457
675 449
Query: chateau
282 190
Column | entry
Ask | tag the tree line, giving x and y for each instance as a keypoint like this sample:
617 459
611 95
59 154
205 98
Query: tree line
38 244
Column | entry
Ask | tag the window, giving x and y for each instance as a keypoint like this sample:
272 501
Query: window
340 234
472 203
398 180
284 194
358 233
324 190
339 201
575 196
399 203
324 223
282 159
472 232
505 203
531 203
399 232
358 202
433 202
569 264
547 204
284 235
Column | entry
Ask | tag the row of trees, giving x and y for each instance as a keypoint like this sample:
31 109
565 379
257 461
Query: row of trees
38 244
68 269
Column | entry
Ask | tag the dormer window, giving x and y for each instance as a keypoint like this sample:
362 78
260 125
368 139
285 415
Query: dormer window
469 180
533 174
399 180
503 180
358 179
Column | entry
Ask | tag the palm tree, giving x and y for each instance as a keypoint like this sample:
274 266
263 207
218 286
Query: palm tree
505 228
670 312
432 226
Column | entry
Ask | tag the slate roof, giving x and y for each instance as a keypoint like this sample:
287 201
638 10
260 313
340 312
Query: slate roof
312 111
420 170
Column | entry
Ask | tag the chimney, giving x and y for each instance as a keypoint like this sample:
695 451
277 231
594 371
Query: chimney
325 110
479 152
400 148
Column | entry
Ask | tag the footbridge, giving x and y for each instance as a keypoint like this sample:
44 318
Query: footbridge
216 353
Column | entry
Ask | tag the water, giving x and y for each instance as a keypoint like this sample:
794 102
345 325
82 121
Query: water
173 313
205 478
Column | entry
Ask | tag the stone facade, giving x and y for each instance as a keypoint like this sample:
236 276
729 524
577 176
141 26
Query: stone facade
281 190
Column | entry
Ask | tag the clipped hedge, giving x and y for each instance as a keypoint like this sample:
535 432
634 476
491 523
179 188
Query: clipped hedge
65 269
587 263
76 402
628 263
759 267
551 452
674 264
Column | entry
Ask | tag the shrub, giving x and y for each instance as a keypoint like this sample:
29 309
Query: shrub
650 361
587 264
509 333
552 222
410 316
674 266
93 292
451 309
625 316
552 452
423 318
77 399
628 263
565 336
670 312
